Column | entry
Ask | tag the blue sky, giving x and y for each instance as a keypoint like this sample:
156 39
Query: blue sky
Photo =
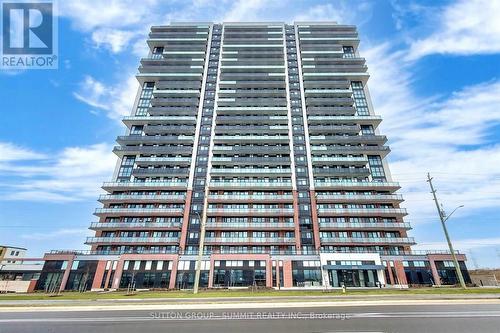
435 78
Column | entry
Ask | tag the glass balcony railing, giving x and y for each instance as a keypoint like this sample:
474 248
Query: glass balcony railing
279 211
135 225
251 138
121 185
159 211
333 225
244 225
378 240
141 197
224 240
361 184
234 184
109 240
163 159
249 171
360 197
345 118
363 211
339 159
249 197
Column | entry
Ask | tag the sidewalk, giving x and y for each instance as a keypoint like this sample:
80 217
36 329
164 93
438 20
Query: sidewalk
244 302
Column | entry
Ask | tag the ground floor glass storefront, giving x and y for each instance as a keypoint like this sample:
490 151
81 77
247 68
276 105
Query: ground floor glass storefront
353 277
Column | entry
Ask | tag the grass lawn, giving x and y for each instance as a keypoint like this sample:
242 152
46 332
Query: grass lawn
243 293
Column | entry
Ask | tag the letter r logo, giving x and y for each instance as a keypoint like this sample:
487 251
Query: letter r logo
27 27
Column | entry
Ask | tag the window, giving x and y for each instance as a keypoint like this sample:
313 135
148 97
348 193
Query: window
145 99
359 97
376 167
348 52
183 265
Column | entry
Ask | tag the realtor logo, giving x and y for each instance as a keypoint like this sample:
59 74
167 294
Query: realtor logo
29 38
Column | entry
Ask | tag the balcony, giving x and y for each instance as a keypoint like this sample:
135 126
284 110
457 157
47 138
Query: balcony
250 197
139 211
177 93
379 150
138 139
134 226
148 77
226 161
146 120
353 76
249 226
108 198
321 160
330 84
364 226
328 92
363 211
367 240
321 128
174 102
352 139
250 211
270 83
271 150
163 160
252 110
256 129
332 101
135 150
158 172
248 240
232 139
251 171
340 172
250 184
132 240
169 129
117 186
362 185
361 120
372 198
238 120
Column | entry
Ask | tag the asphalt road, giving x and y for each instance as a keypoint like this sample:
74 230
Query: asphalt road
381 318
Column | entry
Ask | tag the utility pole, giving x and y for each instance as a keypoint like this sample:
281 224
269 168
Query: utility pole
444 218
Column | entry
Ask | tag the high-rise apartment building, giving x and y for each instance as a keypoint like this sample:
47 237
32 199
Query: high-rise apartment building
259 141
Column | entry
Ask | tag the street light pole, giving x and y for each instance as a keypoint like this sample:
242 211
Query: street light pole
443 218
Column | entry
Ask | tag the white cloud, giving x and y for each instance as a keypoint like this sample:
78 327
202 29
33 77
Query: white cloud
75 173
448 136
112 39
116 100
89 15
464 27
247 10
341 12
11 152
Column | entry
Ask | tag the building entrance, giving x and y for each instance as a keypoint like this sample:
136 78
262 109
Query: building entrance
353 277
